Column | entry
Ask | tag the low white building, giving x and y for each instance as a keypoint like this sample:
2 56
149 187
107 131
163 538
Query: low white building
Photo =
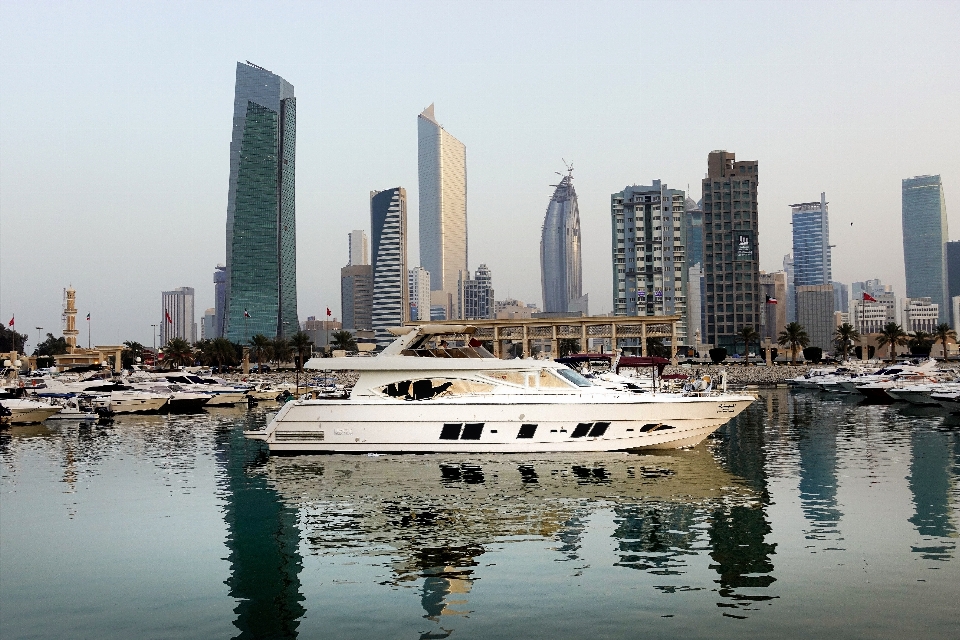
920 314
868 317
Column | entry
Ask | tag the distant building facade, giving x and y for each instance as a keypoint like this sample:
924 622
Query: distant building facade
924 238
388 232
319 331
261 268
357 246
442 168
811 243
773 290
477 294
418 281
220 301
511 309
791 301
815 313
648 253
208 326
920 314
841 297
731 252
178 319
953 275
561 267
356 297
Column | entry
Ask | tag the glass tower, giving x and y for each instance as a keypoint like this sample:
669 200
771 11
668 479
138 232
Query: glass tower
560 262
442 164
388 252
811 243
924 237
261 275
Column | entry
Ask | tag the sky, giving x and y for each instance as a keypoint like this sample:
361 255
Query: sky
115 124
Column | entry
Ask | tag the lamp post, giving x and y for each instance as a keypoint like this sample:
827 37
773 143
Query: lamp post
39 330
154 345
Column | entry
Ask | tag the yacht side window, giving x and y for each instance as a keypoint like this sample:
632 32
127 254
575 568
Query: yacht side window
573 377
510 377
426 389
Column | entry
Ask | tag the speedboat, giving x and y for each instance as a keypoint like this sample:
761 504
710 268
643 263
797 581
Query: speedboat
130 401
26 411
222 393
922 393
435 389
72 409
180 400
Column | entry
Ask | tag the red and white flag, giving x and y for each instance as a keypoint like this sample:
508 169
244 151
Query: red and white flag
868 298
328 312
167 314
12 319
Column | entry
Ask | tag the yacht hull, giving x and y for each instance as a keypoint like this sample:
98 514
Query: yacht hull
508 425
26 412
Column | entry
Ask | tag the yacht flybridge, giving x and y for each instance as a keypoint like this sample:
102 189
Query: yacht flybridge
434 389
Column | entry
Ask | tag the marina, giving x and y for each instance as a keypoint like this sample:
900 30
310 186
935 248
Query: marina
807 514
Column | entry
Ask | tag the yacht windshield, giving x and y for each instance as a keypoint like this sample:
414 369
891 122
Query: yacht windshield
572 376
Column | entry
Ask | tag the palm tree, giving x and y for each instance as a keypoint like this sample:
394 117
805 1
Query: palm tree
178 352
795 336
281 350
748 335
223 351
892 334
942 333
920 342
343 340
843 336
260 348
566 346
131 351
300 343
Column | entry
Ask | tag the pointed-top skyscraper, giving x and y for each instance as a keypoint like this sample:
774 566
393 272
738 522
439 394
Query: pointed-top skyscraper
261 274
560 262
442 161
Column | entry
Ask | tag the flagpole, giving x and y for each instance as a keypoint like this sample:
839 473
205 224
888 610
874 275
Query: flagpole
88 331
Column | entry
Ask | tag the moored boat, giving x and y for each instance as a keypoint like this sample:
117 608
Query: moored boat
422 395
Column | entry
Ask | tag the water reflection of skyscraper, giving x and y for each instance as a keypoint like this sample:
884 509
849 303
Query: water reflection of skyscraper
816 442
934 458
263 540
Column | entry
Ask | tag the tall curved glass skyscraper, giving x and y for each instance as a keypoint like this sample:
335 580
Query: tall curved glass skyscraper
924 237
261 275
560 262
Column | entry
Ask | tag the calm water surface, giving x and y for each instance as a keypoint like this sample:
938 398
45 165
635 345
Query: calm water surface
805 516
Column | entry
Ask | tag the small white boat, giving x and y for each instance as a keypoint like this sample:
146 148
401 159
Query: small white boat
25 411
130 401
422 395
71 410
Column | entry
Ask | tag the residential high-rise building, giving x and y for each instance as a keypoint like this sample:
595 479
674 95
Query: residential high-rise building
731 254
791 301
693 220
388 232
815 314
561 267
773 290
442 165
811 243
261 214
208 326
694 307
356 297
357 241
953 274
418 280
220 301
477 295
648 243
924 237
177 317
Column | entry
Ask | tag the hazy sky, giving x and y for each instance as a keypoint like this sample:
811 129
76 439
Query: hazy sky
115 130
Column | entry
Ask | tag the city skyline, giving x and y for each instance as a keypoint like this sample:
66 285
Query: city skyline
150 107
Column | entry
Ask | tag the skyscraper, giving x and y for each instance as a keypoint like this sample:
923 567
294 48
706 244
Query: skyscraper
560 262
648 242
418 280
477 295
388 232
924 236
730 248
442 163
208 326
177 316
357 241
811 243
791 301
356 297
953 274
261 273
220 301
815 313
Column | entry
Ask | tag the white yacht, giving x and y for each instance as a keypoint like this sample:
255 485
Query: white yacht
26 411
421 395
130 401
222 393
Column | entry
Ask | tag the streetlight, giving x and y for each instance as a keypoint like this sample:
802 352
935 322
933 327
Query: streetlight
154 345
39 329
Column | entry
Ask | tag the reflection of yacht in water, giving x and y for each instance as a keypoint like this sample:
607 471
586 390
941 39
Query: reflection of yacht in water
422 395
432 517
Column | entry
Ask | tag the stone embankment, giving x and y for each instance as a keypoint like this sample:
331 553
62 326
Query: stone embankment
742 375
